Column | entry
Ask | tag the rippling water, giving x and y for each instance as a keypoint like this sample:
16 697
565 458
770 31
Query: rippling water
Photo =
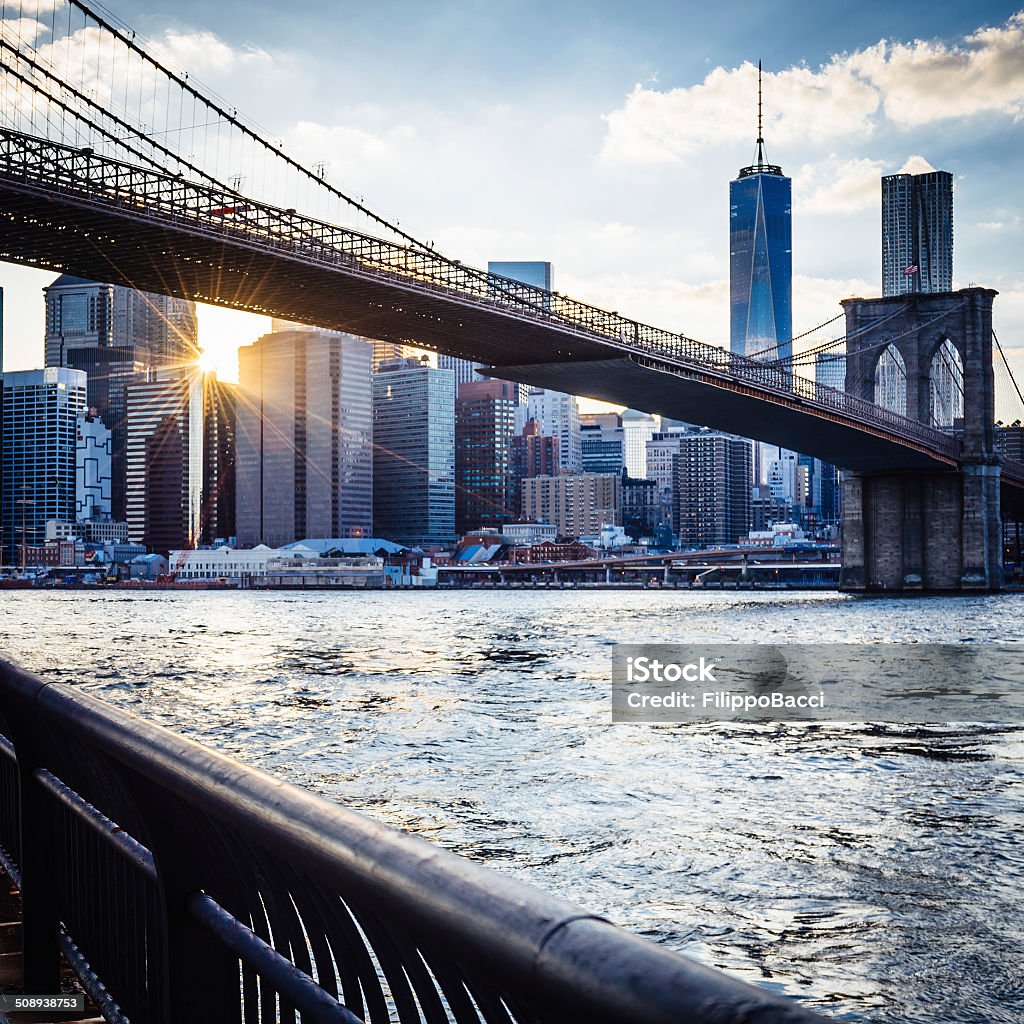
876 873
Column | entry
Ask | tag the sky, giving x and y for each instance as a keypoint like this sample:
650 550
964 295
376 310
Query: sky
602 137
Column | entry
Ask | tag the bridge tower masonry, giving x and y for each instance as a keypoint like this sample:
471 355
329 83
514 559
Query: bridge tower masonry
925 530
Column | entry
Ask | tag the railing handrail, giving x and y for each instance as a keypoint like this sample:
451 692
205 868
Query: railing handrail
526 940
259 223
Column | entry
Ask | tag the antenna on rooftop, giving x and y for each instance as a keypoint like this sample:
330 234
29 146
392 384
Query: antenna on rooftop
760 132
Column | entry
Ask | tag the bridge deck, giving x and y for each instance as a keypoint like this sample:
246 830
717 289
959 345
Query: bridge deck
72 211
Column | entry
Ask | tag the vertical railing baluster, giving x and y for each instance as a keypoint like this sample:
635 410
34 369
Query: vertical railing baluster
39 838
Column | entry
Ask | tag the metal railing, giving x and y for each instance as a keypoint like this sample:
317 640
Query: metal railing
85 176
182 886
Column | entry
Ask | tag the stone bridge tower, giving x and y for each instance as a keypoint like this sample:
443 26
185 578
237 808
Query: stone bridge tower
928 357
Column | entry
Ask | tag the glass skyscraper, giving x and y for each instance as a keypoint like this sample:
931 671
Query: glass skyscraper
40 417
304 423
413 453
761 258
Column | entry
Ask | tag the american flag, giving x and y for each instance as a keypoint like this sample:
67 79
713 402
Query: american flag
912 269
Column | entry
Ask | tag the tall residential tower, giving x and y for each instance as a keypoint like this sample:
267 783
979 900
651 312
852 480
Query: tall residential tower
917 233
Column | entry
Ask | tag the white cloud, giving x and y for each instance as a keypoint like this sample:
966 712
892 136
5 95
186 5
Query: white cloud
657 126
838 186
203 52
348 146
916 165
906 84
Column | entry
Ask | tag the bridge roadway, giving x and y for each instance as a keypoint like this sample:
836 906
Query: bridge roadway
72 211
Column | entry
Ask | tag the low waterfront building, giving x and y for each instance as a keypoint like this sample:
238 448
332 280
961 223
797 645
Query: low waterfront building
526 533
548 551
148 567
295 569
242 564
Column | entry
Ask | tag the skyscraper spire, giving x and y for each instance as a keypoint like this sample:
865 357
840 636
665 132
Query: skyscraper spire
760 131
760 164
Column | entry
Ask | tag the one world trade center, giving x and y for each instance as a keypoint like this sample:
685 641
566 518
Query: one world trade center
761 256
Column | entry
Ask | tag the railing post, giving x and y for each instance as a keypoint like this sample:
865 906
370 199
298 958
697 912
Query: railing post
201 974
39 839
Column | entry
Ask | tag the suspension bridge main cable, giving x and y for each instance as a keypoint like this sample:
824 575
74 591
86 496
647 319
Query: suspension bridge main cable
110 135
774 348
803 359
231 116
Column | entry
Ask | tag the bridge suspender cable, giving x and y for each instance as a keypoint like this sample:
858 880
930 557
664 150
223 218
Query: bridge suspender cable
232 118
105 113
1006 363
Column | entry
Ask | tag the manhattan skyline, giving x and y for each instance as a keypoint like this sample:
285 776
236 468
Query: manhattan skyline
601 148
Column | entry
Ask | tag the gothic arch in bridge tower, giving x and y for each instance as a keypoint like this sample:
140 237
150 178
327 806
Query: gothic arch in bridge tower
932 529
946 387
891 380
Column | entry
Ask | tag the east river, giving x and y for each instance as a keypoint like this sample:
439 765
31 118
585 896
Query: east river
875 872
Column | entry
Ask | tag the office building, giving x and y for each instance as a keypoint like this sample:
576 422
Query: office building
38 455
484 426
463 370
164 460
1010 441
713 486
219 456
577 504
821 492
641 511
662 456
386 351
638 428
830 370
761 257
600 419
109 372
532 454
917 233
784 478
413 454
602 447
303 437
766 511
559 416
92 468
94 314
